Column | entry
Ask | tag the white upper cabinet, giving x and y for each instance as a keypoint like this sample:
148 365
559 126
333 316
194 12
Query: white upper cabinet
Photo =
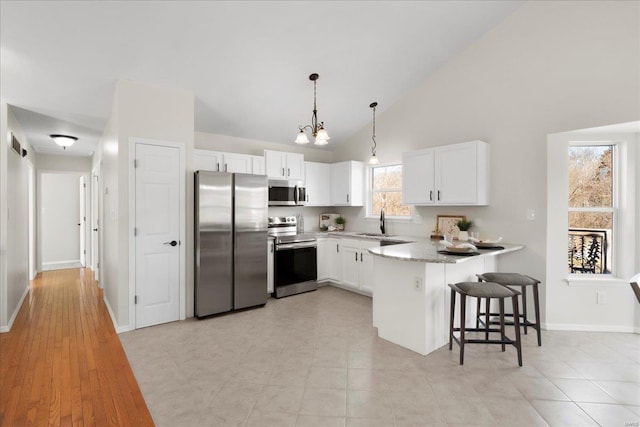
222 162
347 184
206 160
258 165
456 174
318 183
283 165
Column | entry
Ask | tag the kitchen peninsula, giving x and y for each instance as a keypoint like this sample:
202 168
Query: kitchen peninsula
411 297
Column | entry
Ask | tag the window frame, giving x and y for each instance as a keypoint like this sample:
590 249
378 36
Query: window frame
614 209
370 191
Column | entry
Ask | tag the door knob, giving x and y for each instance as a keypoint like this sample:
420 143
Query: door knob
95 229
172 243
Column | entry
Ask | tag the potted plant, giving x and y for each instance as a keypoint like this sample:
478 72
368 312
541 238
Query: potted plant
464 226
340 222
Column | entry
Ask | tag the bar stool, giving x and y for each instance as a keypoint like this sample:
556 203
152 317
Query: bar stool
485 290
513 280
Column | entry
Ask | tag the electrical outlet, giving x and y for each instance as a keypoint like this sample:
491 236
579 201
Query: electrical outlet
601 297
417 283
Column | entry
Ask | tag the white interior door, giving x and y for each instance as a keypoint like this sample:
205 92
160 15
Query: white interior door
157 222
82 220
95 221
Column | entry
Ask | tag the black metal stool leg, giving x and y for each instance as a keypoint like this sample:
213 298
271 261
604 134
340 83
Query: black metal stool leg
536 303
478 312
524 307
463 310
502 336
451 316
487 306
516 321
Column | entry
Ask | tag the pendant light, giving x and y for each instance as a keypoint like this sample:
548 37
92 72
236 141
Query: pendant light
374 159
317 129
64 141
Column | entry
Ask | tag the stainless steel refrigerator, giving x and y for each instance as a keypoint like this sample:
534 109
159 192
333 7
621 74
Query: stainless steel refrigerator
230 241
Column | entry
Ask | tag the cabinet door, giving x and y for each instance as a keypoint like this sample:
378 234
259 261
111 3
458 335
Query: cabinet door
258 165
340 184
270 249
323 258
237 163
317 182
205 160
350 263
456 174
335 260
275 164
295 166
418 178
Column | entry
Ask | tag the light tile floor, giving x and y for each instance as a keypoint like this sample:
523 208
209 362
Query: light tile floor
315 360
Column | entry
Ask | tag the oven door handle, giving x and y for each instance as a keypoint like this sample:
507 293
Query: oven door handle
301 245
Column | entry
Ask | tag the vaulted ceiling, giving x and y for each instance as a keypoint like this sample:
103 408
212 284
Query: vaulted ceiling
247 63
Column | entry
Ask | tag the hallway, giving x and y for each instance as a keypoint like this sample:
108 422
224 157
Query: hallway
62 362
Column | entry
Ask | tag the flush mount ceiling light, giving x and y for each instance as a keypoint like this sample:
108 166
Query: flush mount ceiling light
374 159
317 129
64 141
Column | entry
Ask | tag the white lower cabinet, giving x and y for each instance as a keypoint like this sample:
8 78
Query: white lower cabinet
357 264
270 249
347 263
329 267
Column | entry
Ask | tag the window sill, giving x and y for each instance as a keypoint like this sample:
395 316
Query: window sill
593 281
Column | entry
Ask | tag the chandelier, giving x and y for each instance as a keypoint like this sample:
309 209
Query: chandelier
317 129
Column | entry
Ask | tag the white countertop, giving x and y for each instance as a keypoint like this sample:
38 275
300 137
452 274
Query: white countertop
427 251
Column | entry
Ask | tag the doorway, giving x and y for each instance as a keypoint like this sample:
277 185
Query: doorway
62 224
95 224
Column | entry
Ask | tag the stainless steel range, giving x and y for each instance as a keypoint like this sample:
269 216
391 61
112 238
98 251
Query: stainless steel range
295 258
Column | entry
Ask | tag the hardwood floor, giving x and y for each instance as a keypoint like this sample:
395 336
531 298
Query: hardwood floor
62 362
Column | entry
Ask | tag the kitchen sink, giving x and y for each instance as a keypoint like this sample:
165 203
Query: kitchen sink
374 235
391 242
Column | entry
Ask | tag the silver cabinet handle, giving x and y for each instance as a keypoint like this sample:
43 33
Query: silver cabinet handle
282 171
217 167
438 194
337 247
225 167
347 198
288 172
360 256
431 195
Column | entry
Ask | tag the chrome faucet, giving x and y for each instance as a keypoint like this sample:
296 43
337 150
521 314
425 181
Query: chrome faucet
382 222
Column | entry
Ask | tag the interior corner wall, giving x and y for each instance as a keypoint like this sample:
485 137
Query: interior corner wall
14 226
232 144
150 112
549 67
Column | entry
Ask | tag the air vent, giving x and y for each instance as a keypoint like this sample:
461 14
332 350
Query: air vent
16 145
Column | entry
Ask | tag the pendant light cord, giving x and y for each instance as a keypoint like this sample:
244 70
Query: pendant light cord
373 136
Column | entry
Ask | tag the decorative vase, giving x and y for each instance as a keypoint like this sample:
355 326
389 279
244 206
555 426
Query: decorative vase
463 236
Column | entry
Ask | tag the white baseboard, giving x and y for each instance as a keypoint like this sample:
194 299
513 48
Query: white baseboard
67 261
346 288
12 319
589 328
119 329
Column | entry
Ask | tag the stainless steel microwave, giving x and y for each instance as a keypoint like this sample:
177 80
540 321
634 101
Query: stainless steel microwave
287 193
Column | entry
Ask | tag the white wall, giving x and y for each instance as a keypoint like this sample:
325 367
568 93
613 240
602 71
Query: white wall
231 144
14 214
48 162
59 211
143 111
550 67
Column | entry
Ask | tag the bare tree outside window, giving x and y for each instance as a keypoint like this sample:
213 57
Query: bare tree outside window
386 191
591 209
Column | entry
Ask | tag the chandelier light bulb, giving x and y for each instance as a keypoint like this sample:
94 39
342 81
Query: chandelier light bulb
301 138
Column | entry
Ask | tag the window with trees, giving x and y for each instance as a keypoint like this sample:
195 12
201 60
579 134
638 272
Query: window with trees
592 210
386 191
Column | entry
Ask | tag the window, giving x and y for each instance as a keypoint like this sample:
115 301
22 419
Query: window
386 191
592 213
